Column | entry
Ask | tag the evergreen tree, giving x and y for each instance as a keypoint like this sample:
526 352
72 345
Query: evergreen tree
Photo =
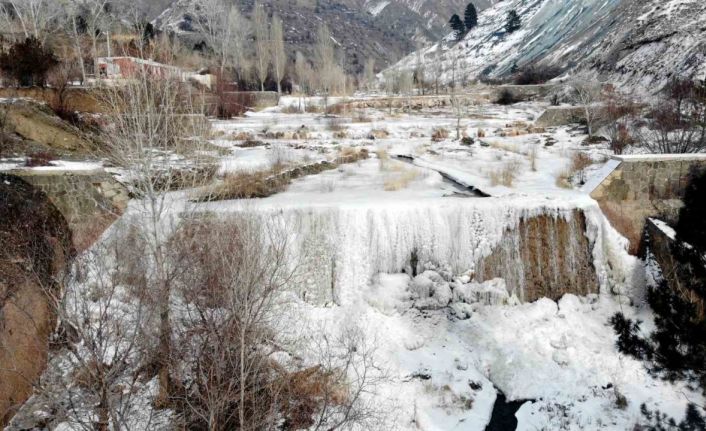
470 17
457 26
513 22
691 227
28 62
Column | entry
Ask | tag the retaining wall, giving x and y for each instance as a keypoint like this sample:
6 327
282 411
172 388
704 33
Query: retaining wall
89 200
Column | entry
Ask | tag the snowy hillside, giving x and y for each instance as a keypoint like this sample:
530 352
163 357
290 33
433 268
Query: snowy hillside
628 38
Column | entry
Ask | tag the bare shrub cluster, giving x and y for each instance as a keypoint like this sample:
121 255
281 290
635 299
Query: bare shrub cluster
532 75
677 123
506 174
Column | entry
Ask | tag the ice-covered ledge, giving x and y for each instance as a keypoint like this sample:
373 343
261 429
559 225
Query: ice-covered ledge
634 158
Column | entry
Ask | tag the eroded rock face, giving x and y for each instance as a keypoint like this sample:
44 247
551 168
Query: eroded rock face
545 256
35 253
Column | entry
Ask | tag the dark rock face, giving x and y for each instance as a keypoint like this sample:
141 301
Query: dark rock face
544 257
36 249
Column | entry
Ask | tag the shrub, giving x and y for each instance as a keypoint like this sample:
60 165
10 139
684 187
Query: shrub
506 175
507 98
579 162
468 141
336 124
677 123
439 134
39 158
691 226
378 133
533 75
402 179
28 62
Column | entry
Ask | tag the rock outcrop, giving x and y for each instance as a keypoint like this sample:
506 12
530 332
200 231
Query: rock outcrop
35 253
543 257
46 216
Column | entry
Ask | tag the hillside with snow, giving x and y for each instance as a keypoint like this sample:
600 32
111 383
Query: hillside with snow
627 41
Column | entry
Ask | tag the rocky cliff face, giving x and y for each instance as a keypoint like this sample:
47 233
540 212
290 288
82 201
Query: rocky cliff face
35 253
543 257
384 30
632 42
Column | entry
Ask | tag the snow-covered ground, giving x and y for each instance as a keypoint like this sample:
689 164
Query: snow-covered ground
445 369
447 363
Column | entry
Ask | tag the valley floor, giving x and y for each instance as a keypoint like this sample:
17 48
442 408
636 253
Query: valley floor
443 366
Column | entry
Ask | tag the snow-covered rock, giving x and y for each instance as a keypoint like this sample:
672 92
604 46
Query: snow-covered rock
635 43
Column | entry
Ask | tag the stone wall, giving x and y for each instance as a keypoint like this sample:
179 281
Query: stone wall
89 200
649 177
644 186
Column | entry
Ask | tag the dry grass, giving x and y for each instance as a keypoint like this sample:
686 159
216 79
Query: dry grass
249 185
361 117
336 125
506 174
439 134
502 146
260 184
563 180
401 179
291 109
378 133
579 162
313 109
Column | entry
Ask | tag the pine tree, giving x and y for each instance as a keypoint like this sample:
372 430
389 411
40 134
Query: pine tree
457 26
691 227
470 17
513 22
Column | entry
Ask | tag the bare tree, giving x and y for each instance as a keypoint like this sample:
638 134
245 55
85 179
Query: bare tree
369 74
36 18
279 56
155 124
238 269
619 113
437 68
420 69
103 314
305 76
262 44
325 61
72 16
587 94
95 18
348 359
677 123
224 31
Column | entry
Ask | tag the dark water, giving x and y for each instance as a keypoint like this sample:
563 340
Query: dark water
503 417
458 189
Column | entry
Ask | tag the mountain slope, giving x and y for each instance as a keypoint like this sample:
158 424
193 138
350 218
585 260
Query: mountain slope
385 30
634 42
